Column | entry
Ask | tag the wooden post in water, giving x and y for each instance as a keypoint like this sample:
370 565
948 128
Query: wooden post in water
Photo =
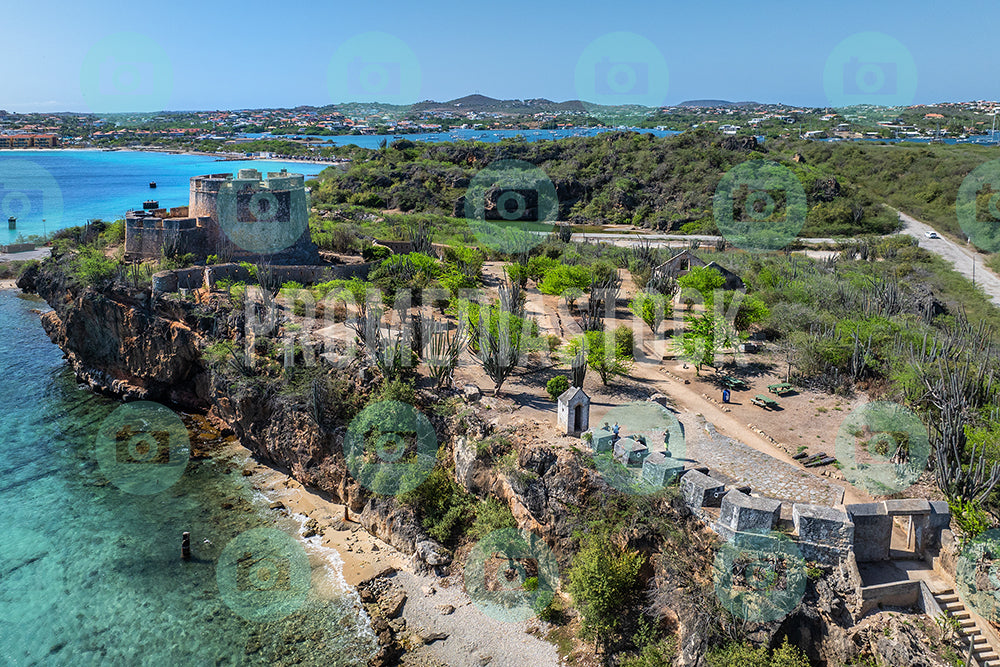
186 546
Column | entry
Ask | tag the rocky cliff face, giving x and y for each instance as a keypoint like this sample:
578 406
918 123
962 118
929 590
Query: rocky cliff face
126 344
120 341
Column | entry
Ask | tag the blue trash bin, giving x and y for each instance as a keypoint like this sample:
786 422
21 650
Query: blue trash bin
725 395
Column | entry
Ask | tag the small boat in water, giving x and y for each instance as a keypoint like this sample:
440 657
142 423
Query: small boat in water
152 184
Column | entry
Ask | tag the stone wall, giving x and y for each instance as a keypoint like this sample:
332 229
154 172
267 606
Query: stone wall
824 534
200 276
152 236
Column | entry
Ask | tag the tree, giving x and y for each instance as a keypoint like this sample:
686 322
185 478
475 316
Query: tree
651 308
500 333
697 343
603 352
557 278
733 328
604 583
703 280
556 386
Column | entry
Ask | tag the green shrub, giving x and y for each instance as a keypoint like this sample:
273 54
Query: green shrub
491 515
92 267
396 389
539 266
745 655
658 654
518 273
375 253
970 518
445 508
556 386
625 342
561 277
604 583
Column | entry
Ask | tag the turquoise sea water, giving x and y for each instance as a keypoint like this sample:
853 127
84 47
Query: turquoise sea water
102 184
91 575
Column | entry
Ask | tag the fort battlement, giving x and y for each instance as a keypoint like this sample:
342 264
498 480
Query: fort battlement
197 229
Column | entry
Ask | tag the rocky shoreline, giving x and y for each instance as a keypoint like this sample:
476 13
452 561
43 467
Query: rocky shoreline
125 342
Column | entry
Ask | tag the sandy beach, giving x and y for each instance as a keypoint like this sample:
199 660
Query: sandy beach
443 626
364 555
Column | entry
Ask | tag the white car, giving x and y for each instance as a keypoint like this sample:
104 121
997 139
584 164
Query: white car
932 235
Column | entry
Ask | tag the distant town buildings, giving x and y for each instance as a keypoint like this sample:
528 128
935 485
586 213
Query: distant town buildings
29 140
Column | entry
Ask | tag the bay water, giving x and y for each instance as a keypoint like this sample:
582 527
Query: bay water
48 190
92 575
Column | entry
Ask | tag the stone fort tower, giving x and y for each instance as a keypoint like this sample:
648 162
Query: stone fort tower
241 219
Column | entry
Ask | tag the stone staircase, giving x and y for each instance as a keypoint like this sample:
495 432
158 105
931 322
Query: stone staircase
984 655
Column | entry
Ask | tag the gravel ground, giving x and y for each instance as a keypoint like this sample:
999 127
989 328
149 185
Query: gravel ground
474 639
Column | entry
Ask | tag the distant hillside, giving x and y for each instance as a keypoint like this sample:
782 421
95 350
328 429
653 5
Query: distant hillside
484 104
617 178
716 103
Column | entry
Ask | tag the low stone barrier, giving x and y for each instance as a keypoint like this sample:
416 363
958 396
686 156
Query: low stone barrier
17 247
896 594
824 534
201 276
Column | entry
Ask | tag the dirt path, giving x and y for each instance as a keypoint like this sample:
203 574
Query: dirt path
966 262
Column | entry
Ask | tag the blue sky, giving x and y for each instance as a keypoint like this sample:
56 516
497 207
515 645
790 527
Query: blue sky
271 54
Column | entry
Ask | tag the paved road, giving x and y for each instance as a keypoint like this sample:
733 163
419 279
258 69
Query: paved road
663 239
21 256
964 261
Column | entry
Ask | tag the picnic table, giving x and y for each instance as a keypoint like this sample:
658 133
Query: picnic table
733 382
764 401
781 388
